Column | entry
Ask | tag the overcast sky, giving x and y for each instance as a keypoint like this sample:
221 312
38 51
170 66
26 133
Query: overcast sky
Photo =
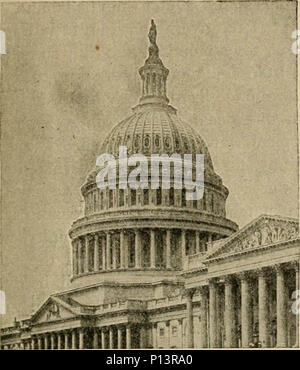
232 76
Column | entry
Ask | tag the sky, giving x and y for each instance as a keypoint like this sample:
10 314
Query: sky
71 73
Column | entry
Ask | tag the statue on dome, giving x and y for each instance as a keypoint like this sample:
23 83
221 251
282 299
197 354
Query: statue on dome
153 48
152 33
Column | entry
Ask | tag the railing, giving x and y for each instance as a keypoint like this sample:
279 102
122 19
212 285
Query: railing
121 305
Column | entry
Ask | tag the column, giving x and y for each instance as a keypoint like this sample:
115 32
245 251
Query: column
203 317
52 338
295 296
128 337
81 338
111 338
245 310
32 343
108 256
281 308
190 324
229 317
74 339
152 249
138 249
119 337
180 325
197 236
75 258
79 261
122 249
263 309
39 342
58 341
183 246
168 249
209 241
212 314
96 252
95 339
103 248
103 338
86 260
46 342
154 335
66 335
114 254
168 334
126 257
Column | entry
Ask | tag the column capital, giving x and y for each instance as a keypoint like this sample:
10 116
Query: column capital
279 268
244 275
180 320
263 272
296 265
190 292
203 289
228 279
213 280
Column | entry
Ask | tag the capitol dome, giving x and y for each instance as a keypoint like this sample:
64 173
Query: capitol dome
130 230
155 130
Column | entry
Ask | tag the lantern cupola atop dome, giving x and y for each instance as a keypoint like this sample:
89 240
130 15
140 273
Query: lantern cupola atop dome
154 74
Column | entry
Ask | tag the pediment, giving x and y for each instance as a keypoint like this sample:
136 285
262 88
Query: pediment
262 232
52 310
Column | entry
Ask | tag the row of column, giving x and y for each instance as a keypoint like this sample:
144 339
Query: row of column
210 318
111 337
98 200
115 252
105 338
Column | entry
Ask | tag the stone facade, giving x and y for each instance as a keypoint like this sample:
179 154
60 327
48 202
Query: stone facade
153 270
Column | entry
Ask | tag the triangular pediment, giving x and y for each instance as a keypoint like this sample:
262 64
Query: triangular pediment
54 309
262 232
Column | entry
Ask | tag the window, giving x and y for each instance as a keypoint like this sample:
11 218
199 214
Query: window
111 199
161 332
101 200
121 197
133 197
174 330
204 201
158 196
171 193
183 200
95 203
146 196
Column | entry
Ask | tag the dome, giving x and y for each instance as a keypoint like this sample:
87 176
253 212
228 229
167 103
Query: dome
155 130
128 229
